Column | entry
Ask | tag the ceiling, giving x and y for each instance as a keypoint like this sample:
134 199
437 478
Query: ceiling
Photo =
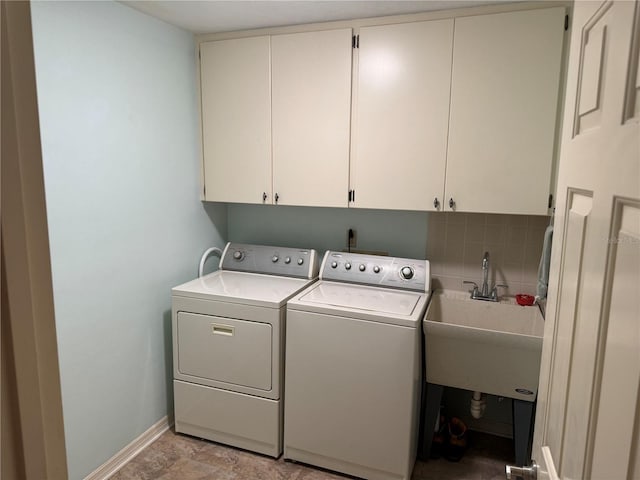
224 16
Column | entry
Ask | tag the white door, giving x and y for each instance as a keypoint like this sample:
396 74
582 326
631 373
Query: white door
236 120
401 115
504 104
588 417
311 88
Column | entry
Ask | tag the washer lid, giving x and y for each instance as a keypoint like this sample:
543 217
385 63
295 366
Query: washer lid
385 305
245 288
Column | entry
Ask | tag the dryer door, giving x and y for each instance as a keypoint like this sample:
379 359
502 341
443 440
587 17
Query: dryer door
234 352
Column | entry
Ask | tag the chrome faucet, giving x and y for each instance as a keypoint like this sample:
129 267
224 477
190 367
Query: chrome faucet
485 293
485 274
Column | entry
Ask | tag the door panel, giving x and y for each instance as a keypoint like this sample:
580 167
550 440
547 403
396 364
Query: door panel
588 416
594 51
504 103
236 119
235 352
401 115
579 206
632 100
311 75
618 394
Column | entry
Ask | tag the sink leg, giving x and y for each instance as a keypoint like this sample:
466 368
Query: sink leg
523 413
433 398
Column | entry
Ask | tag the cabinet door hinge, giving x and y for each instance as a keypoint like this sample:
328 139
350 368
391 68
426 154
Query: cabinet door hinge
550 204
566 22
355 41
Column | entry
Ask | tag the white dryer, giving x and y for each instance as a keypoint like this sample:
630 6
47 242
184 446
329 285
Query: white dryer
228 345
353 366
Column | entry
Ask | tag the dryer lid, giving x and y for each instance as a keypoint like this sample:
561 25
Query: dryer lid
240 287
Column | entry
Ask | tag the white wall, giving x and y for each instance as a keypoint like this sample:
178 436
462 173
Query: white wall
119 126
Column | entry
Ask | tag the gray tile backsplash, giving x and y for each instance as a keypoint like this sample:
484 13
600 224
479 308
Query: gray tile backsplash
456 243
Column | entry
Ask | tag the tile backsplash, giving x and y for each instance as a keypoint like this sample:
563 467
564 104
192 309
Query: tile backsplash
456 243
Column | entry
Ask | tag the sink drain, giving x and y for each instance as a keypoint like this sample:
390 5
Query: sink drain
524 391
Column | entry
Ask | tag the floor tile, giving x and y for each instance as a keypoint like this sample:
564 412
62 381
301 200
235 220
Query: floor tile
180 457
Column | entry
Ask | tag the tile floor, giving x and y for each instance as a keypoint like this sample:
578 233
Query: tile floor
180 457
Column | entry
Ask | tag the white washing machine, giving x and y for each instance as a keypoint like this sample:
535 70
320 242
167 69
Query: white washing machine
353 366
228 345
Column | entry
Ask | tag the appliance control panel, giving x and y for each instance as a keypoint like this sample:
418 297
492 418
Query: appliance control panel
404 273
284 261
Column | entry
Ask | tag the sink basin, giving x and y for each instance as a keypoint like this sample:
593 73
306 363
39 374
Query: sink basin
492 347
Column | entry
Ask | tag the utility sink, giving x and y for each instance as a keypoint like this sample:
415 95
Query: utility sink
491 347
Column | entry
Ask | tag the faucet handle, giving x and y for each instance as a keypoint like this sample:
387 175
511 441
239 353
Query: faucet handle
494 292
474 292
475 285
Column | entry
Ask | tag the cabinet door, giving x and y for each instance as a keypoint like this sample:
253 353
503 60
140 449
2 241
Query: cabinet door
311 86
401 115
504 102
236 119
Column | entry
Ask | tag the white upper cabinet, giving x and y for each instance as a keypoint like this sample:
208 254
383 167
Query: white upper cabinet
457 111
401 108
236 119
311 109
504 102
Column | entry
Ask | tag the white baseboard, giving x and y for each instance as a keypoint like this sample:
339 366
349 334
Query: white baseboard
120 459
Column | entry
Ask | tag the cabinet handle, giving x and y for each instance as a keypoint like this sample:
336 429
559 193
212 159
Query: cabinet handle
277 197
436 203
264 197
452 204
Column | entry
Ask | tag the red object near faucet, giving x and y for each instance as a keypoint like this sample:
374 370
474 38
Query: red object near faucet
525 300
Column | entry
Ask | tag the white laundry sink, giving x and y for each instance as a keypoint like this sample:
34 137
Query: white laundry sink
492 347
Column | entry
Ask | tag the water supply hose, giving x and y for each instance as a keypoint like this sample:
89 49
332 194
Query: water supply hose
206 255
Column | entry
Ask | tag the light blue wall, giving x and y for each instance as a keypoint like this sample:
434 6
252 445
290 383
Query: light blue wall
119 126
400 233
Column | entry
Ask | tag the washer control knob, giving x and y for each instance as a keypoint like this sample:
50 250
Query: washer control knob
274 259
238 255
287 260
362 267
376 269
347 266
334 264
406 273
300 261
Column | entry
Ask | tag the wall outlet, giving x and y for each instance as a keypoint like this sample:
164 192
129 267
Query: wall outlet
351 234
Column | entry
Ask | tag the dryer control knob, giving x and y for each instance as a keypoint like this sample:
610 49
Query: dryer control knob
376 269
406 273
287 260
274 259
238 255
300 261
334 264
362 267
347 266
